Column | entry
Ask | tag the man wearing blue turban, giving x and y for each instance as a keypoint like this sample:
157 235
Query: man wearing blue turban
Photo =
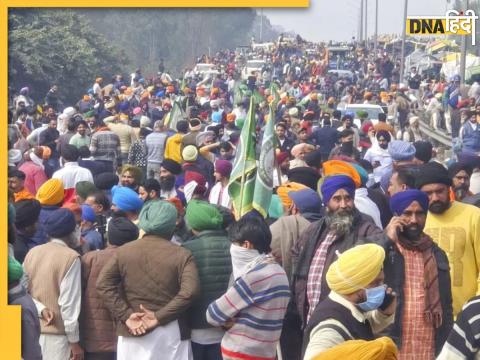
127 201
417 270
342 227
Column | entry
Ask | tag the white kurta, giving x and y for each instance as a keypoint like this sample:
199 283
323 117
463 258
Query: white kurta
365 205
163 343
219 196
54 347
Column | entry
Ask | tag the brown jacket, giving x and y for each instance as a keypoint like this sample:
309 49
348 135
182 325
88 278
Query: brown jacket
152 272
363 230
285 233
97 327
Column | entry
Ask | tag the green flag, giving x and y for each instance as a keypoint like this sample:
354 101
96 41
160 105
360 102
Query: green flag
274 92
183 84
262 195
239 90
258 98
242 179
175 115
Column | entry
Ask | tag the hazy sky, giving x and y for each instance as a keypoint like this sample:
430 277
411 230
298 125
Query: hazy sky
339 19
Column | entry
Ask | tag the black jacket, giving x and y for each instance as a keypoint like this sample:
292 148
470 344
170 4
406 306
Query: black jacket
20 247
325 137
394 269
329 309
287 145
95 167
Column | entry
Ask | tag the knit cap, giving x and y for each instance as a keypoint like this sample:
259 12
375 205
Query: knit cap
121 230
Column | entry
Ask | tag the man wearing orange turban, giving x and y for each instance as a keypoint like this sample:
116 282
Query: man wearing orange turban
338 167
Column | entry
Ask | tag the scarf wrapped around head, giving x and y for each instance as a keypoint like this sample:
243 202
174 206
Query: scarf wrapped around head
51 192
355 268
201 215
159 218
15 270
338 167
363 174
401 150
385 134
334 183
285 189
402 200
195 184
126 199
379 349
432 173
36 160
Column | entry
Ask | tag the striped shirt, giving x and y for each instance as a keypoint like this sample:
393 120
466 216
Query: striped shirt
256 304
464 339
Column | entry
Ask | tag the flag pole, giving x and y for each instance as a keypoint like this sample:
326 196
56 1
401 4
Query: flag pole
242 186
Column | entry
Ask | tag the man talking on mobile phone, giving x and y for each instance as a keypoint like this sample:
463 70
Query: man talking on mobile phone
358 306
418 271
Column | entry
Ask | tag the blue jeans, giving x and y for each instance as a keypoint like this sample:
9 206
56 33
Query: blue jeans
206 352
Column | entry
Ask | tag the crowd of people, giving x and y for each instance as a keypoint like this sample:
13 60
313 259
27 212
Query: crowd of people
125 243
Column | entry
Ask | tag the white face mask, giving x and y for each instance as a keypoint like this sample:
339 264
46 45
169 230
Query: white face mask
241 259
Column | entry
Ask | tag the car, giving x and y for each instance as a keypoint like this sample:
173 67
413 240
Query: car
252 66
371 109
268 46
343 73
337 56
205 69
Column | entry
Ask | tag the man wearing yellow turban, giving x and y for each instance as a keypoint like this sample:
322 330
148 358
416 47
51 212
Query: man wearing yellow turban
380 349
358 305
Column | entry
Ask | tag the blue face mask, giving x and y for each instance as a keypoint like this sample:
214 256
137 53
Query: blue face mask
375 297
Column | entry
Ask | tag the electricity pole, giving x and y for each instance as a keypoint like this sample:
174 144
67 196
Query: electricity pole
376 27
360 37
463 57
404 36
261 25
366 23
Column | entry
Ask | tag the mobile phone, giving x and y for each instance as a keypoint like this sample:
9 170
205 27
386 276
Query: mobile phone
387 300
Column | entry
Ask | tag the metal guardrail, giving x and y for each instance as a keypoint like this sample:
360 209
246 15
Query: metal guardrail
438 136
